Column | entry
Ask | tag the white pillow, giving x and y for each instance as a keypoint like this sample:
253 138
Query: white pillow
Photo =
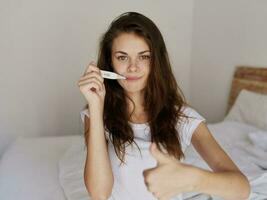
250 108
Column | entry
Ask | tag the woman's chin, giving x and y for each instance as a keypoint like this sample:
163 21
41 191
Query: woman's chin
133 89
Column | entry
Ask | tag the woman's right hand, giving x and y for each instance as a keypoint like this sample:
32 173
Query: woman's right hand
92 86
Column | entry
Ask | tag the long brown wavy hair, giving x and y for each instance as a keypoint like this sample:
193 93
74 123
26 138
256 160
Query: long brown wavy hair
163 99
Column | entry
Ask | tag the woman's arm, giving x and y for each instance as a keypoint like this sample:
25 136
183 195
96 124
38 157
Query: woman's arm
226 180
171 177
98 176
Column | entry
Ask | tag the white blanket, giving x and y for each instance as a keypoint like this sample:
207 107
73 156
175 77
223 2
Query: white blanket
235 138
232 136
29 168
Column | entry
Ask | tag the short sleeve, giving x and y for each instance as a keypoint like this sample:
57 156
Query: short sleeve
84 113
188 125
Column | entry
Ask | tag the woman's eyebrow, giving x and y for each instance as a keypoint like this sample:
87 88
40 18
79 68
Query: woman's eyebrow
122 52
143 52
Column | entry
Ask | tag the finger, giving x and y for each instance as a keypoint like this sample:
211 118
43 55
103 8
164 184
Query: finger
168 195
156 194
149 177
93 74
150 189
147 172
92 85
91 67
93 79
158 155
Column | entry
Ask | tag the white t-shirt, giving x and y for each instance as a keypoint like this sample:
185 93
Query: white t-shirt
128 178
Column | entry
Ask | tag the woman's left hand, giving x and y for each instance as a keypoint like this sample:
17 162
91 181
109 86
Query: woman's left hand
170 177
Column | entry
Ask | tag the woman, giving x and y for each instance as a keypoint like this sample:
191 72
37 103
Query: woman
137 129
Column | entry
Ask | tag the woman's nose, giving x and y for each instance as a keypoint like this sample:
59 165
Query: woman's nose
133 67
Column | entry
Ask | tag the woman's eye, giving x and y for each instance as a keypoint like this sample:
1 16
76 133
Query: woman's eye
145 57
122 58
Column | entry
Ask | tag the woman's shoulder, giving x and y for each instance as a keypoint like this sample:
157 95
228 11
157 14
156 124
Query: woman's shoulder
191 112
187 125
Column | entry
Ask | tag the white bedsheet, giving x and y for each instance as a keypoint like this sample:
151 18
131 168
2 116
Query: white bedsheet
29 169
232 136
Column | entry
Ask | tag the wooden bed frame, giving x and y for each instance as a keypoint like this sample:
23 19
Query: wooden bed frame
249 78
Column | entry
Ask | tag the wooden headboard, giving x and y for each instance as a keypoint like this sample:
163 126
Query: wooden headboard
249 78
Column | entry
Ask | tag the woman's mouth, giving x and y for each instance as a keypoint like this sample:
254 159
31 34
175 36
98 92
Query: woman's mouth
132 78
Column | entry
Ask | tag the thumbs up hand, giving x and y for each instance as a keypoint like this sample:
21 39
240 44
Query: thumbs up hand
170 177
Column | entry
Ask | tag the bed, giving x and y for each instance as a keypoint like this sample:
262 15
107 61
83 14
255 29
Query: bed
42 168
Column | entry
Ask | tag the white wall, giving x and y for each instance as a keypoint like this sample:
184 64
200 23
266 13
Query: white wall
225 34
45 47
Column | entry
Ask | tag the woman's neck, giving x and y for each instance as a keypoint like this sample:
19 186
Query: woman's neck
138 117
137 111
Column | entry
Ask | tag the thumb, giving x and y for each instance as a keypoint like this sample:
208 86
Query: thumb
161 157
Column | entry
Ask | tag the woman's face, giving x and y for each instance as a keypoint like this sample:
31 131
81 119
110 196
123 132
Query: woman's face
131 58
